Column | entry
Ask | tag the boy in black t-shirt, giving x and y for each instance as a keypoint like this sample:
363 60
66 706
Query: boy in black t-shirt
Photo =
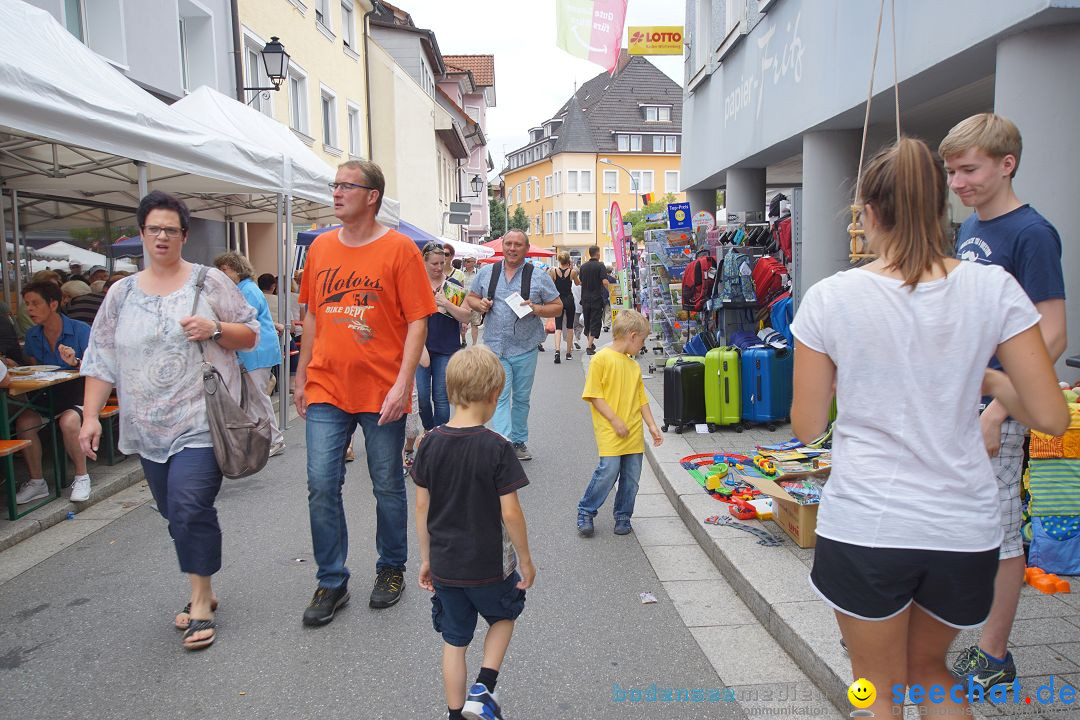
469 524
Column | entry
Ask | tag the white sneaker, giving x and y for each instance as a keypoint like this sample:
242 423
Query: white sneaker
31 490
277 449
80 489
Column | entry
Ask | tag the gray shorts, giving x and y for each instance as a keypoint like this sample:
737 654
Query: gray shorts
1008 468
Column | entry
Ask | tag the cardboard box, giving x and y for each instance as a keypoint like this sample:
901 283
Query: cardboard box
798 521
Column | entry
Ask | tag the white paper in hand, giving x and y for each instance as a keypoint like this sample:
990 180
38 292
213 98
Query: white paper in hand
514 300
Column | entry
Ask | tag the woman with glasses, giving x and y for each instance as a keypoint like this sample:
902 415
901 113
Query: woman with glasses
145 342
443 338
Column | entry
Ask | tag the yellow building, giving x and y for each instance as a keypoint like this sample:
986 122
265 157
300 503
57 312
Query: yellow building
614 135
324 99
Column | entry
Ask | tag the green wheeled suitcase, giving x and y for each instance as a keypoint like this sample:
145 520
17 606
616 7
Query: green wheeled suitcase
723 400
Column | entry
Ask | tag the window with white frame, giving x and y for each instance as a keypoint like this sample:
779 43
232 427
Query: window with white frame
354 130
558 183
571 181
547 223
657 113
658 143
547 186
671 181
519 193
586 221
635 143
669 143
298 107
322 13
536 188
571 221
473 111
255 74
528 191
99 24
348 24
702 41
328 108
558 221
624 143
733 15
607 221
643 179
196 46
611 181
73 19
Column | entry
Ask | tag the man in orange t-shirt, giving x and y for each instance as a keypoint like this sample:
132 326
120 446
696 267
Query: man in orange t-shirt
368 300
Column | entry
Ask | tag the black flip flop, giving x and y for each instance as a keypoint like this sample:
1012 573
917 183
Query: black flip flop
198 626
187 611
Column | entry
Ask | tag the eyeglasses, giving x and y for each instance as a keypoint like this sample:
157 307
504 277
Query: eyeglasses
170 232
349 186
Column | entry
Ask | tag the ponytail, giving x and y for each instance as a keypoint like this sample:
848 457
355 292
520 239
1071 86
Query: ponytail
905 185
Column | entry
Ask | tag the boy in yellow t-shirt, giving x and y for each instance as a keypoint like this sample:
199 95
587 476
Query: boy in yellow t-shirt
614 389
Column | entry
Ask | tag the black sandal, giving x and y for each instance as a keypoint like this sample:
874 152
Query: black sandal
187 611
199 626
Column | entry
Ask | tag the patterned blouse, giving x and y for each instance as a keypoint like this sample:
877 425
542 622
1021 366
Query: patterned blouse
137 345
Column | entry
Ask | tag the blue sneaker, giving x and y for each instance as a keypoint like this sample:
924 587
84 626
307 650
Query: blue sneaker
622 526
974 663
481 704
584 525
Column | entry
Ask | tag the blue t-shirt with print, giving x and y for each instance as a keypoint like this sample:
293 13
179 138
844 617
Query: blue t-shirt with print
1022 242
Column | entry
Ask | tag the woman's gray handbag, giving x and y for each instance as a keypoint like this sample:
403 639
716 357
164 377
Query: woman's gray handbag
241 438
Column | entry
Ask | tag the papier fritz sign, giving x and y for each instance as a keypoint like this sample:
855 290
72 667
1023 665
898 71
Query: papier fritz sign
655 40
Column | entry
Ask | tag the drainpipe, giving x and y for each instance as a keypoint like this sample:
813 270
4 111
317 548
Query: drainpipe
238 45
367 72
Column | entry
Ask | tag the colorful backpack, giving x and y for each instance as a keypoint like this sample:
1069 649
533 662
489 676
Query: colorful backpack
780 317
736 278
769 275
697 283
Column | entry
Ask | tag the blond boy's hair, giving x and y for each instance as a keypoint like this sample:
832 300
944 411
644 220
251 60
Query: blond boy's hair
473 375
994 135
629 321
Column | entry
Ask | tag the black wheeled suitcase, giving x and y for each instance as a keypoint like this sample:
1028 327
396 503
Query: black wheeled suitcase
684 395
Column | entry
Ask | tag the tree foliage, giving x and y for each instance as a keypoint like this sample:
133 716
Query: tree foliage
519 221
497 210
638 218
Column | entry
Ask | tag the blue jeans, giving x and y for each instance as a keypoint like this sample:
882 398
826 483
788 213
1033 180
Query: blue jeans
329 429
513 423
184 488
431 389
626 469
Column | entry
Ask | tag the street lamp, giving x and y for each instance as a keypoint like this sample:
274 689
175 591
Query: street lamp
276 63
633 181
477 184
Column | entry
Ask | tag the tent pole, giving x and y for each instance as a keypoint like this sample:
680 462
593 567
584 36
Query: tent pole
283 312
110 261
15 243
140 167
4 257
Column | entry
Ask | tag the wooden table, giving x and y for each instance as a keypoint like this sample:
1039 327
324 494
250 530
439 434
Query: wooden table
29 394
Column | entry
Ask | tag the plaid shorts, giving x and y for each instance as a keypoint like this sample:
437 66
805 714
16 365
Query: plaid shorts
1008 468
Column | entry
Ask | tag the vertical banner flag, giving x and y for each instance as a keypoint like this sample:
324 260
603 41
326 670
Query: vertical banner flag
591 29
618 236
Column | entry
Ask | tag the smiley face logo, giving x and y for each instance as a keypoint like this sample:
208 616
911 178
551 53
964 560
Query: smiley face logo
862 693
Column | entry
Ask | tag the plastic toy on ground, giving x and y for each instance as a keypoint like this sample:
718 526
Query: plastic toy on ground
765 465
1047 583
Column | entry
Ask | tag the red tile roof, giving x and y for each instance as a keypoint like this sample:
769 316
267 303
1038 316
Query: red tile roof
482 67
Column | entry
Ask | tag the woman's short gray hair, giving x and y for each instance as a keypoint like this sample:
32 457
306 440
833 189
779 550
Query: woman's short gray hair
235 262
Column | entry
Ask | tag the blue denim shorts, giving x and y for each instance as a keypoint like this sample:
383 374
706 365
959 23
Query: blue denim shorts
454 609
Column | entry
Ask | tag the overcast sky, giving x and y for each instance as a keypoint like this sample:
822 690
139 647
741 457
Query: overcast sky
533 78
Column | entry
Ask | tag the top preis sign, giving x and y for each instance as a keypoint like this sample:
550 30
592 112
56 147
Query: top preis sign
655 40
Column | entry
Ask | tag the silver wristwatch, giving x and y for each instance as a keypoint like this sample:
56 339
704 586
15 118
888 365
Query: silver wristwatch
217 331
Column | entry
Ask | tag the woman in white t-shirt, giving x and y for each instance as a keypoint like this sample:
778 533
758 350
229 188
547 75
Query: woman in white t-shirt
908 528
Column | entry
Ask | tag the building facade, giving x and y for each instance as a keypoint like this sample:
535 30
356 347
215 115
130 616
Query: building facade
422 137
469 83
616 138
776 93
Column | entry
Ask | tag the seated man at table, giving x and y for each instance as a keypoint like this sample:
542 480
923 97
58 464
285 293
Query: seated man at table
55 339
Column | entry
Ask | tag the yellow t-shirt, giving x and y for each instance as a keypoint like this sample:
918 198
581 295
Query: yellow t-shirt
616 378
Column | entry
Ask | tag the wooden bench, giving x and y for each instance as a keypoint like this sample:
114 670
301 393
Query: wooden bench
106 415
7 449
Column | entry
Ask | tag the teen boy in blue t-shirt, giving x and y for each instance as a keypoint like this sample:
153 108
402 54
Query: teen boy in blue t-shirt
981 155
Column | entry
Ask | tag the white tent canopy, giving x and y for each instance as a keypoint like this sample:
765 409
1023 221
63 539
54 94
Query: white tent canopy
71 126
307 176
463 249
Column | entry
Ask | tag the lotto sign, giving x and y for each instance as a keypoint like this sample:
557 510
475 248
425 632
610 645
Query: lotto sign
704 219
655 40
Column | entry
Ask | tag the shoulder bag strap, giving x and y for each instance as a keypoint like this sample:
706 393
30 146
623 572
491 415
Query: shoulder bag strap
200 281
526 280
496 271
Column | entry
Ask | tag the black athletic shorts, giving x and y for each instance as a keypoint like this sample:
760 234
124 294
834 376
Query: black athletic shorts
870 583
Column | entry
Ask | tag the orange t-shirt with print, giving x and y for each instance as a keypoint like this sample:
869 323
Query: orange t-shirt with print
364 299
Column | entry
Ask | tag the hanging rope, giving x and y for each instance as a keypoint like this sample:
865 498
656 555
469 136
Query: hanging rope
859 249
